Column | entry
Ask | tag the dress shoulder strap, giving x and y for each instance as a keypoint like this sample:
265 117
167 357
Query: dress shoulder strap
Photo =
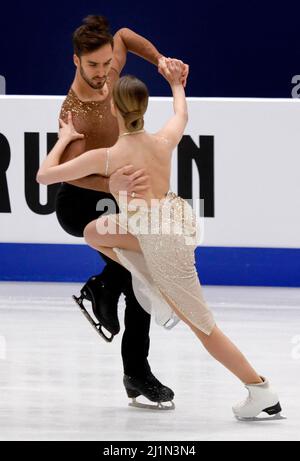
107 162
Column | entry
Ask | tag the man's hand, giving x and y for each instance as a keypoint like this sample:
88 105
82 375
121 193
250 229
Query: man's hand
126 180
171 69
163 61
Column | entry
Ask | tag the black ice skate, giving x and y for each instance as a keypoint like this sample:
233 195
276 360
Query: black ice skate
104 305
150 388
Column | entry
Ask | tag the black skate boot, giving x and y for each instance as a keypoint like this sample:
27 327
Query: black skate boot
104 304
150 388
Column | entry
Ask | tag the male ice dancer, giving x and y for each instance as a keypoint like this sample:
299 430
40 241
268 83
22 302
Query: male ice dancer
99 59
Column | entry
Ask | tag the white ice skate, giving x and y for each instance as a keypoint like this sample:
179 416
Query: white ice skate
261 398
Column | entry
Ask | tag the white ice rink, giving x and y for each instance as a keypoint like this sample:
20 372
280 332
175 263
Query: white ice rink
60 381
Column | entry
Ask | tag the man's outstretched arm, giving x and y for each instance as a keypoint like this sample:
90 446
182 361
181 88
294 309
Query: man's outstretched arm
126 40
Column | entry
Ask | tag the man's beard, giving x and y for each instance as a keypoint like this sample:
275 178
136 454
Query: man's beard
95 86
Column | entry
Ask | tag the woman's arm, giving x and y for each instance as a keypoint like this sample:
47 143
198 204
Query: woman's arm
93 161
94 182
88 163
91 182
174 128
76 148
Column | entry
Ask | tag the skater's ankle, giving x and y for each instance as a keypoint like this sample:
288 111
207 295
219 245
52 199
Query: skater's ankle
259 380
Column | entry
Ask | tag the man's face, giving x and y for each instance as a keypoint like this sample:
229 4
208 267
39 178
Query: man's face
94 67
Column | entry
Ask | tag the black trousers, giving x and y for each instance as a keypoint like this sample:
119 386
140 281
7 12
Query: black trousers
75 208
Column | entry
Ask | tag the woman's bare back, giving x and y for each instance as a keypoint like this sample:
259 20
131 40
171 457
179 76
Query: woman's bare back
150 152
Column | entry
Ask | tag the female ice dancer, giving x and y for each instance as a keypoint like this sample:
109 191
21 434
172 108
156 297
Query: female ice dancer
156 239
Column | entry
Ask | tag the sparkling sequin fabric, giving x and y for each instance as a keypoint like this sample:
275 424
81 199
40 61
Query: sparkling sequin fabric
93 118
165 273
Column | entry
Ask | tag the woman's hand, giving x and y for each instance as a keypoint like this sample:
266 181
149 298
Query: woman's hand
67 131
185 74
173 70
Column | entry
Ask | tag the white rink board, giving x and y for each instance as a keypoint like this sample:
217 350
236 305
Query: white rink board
256 168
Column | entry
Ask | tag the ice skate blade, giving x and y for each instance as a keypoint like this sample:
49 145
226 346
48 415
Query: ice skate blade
278 416
95 325
147 406
171 323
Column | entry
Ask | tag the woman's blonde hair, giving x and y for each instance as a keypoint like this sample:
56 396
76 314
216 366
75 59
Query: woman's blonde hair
131 97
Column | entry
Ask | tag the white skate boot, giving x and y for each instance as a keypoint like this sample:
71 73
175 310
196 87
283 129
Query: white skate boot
261 398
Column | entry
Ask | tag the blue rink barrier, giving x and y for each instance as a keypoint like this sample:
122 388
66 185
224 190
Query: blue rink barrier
215 265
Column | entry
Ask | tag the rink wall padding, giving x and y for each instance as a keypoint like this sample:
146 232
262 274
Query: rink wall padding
215 265
238 162
48 263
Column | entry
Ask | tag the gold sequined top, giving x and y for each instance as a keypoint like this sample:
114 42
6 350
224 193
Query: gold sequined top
93 118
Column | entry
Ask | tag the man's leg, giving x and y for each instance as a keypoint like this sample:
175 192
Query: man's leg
75 208
136 340
138 378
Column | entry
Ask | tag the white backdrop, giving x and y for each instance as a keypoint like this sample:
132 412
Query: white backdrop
256 158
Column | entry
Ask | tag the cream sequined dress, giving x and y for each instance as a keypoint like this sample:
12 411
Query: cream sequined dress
168 234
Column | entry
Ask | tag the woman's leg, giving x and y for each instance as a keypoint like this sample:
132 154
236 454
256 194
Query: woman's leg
217 344
97 236
222 349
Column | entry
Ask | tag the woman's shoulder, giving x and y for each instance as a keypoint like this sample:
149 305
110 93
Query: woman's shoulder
161 139
116 153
